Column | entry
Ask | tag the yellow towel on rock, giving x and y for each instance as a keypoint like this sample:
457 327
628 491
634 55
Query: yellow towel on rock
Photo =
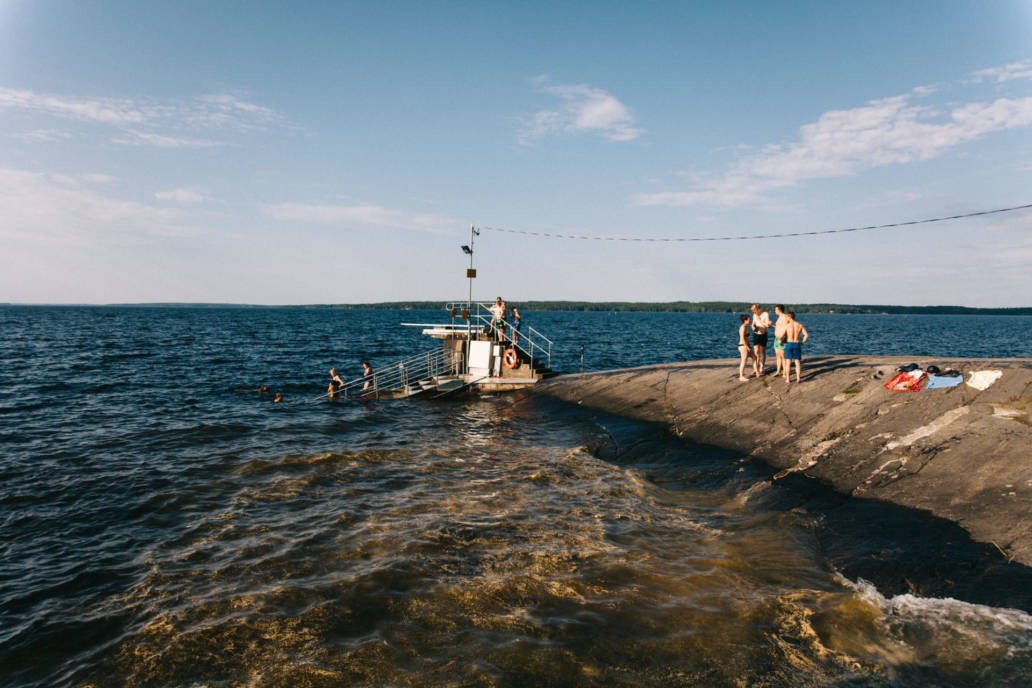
983 378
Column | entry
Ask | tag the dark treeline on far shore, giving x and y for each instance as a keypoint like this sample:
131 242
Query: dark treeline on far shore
621 306
700 307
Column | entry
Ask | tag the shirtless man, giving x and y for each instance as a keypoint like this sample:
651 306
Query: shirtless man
498 317
797 336
760 324
779 346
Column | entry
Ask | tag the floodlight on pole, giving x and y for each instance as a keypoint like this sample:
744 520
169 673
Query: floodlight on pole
470 273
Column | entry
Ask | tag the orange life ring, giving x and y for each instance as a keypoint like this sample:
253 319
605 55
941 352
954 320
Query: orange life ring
510 358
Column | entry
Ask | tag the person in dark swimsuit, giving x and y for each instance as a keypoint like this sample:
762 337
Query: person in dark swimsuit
517 323
743 347
760 324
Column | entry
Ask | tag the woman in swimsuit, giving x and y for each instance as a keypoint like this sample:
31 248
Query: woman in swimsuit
760 323
743 347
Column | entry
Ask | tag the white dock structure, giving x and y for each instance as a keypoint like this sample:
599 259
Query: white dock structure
476 355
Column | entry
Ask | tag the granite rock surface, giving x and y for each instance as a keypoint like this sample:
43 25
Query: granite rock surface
960 453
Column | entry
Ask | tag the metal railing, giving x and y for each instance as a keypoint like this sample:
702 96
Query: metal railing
403 376
532 343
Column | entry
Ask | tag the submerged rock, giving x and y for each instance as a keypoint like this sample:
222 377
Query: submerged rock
960 453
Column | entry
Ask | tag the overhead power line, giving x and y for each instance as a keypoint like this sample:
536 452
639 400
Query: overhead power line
551 235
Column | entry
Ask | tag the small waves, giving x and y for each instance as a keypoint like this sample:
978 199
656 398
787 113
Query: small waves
904 640
386 554
162 527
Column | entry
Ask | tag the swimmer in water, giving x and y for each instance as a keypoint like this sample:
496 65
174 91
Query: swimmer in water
277 398
367 374
336 384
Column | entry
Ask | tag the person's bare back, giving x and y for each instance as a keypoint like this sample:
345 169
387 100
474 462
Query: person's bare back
796 335
780 325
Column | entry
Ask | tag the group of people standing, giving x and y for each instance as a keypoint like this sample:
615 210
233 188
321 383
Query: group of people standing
789 336
499 312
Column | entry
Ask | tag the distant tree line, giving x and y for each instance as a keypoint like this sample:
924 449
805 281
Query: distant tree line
617 306
699 307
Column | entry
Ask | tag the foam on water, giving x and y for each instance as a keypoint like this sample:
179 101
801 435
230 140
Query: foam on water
951 631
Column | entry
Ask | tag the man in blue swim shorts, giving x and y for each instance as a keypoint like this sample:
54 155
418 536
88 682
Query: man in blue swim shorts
795 334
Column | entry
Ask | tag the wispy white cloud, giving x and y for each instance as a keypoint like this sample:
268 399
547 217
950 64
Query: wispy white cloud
359 214
222 111
905 195
145 121
844 142
48 207
581 109
133 137
1015 70
231 104
75 180
923 91
182 195
103 110
98 178
44 135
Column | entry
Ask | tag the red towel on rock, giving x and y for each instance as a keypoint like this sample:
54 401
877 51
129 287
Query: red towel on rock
907 382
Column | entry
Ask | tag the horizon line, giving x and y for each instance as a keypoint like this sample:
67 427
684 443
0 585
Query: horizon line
227 304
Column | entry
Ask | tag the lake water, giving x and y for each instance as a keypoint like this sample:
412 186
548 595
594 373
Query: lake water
160 526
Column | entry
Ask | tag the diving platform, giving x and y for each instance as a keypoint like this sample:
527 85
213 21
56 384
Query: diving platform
477 354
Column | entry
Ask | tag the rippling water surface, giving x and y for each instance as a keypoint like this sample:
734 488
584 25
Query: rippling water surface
163 527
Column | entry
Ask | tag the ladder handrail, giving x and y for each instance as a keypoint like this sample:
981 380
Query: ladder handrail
436 363
396 375
526 344
536 341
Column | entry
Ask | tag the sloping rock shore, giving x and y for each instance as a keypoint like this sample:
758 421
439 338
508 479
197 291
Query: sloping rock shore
959 453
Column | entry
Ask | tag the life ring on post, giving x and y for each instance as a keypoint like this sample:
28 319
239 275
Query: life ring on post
510 358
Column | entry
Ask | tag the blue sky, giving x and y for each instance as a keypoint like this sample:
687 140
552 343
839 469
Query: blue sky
335 152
